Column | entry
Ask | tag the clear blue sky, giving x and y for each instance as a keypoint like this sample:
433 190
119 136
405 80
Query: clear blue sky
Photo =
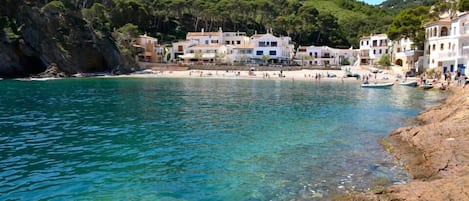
373 2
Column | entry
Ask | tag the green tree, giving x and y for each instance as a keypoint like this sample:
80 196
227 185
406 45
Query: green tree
385 61
265 58
304 57
198 55
410 24
345 62
219 56
97 17
54 7
463 5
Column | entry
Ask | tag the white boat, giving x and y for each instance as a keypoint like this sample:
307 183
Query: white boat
377 85
412 83
44 78
426 86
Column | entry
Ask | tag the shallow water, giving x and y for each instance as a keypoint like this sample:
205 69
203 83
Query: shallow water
197 139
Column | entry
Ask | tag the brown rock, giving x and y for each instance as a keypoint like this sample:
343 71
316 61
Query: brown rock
436 153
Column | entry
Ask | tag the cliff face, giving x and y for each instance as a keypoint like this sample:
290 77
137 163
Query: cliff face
56 38
436 153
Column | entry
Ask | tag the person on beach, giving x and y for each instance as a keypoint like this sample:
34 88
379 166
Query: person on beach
464 76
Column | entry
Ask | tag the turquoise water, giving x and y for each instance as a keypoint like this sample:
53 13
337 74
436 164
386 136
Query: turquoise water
197 139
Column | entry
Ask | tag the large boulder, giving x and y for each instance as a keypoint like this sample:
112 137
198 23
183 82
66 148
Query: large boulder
53 36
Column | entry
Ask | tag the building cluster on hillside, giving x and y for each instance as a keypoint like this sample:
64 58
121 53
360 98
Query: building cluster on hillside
447 44
446 49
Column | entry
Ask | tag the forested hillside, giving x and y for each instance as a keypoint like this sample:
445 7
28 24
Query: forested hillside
318 22
406 4
30 28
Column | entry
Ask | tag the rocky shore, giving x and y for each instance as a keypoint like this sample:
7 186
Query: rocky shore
435 152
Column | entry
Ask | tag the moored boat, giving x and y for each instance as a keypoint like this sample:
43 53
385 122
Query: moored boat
377 85
412 83
426 86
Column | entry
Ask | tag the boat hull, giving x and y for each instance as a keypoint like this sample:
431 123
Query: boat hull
409 83
379 85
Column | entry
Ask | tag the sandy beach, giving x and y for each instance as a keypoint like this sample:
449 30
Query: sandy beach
287 75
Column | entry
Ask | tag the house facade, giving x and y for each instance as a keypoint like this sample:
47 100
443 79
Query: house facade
148 49
405 54
373 47
447 44
271 49
325 56
233 47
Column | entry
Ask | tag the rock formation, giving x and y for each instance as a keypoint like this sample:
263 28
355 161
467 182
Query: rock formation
54 36
436 153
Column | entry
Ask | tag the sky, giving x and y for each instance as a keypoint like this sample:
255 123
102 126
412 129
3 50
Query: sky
373 2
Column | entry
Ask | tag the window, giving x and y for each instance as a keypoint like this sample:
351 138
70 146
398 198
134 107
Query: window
374 51
375 43
206 42
238 42
273 53
262 44
380 51
259 52
273 44
444 31
433 47
386 51
227 42
214 41
442 46
367 42
398 49
249 51
180 48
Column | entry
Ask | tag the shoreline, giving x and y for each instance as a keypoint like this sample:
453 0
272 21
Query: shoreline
435 152
287 75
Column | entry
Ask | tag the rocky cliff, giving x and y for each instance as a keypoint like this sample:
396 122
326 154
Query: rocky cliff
436 153
55 37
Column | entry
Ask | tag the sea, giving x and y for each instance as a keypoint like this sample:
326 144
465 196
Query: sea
199 139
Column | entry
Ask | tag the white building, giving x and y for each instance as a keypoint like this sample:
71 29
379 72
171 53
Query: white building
205 53
233 47
324 56
181 48
405 54
373 47
447 44
271 48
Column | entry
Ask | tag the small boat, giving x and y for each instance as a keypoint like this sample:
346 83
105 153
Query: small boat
426 86
412 83
377 85
44 78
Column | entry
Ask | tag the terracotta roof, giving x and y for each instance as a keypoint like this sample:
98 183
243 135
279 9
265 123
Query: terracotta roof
445 21
203 33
